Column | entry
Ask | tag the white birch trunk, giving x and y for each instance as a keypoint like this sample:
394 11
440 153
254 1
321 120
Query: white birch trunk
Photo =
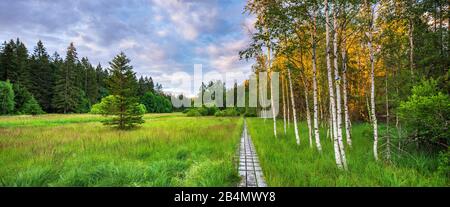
330 124
348 124
372 79
284 104
297 137
331 89
287 102
338 88
272 103
308 115
315 108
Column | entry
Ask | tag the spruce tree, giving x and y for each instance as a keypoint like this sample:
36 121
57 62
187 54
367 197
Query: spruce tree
101 76
123 85
67 94
90 81
7 70
41 76
21 65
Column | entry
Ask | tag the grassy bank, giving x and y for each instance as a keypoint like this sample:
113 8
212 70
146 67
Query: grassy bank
77 150
286 164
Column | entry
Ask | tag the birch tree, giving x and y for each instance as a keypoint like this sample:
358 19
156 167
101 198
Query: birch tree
314 80
370 15
348 135
333 128
272 101
297 136
337 85
284 104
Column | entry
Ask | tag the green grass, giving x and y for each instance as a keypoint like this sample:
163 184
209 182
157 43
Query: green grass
58 119
77 150
286 164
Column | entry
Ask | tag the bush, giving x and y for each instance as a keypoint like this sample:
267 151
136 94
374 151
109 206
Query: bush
212 110
6 97
156 103
203 111
250 112
426 115
227 112
193 113
106 106
219 113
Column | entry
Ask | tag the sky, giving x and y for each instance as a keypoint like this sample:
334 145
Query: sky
163 38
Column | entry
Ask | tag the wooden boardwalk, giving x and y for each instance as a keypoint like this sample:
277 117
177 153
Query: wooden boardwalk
249 168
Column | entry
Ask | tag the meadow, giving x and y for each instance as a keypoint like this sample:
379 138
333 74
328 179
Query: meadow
175 150
286 164
77 150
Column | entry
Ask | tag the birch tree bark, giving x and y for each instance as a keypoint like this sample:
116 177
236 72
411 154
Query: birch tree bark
337 86
284 104
315 108
287 105
272 103
372 79
348 124
308 113
297 137
331 89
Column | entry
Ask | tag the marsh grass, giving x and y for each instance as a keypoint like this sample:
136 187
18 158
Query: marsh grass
286 164
77 150
58 119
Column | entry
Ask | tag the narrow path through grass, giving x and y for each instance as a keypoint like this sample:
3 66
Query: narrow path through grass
249 168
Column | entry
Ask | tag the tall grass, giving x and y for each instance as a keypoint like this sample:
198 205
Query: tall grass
58 119
286 164
165 151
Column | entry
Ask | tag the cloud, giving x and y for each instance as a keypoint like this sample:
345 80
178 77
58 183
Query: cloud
224 56
163 38
189 18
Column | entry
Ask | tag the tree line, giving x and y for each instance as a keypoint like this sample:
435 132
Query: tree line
41 83
361 60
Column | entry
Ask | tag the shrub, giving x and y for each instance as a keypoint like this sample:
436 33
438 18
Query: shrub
156 103
250 112
212 110
219 113
106 106
193 113
203 111
228 112
426 115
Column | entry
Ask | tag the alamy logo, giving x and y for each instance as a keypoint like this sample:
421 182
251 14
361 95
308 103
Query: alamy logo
261 91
